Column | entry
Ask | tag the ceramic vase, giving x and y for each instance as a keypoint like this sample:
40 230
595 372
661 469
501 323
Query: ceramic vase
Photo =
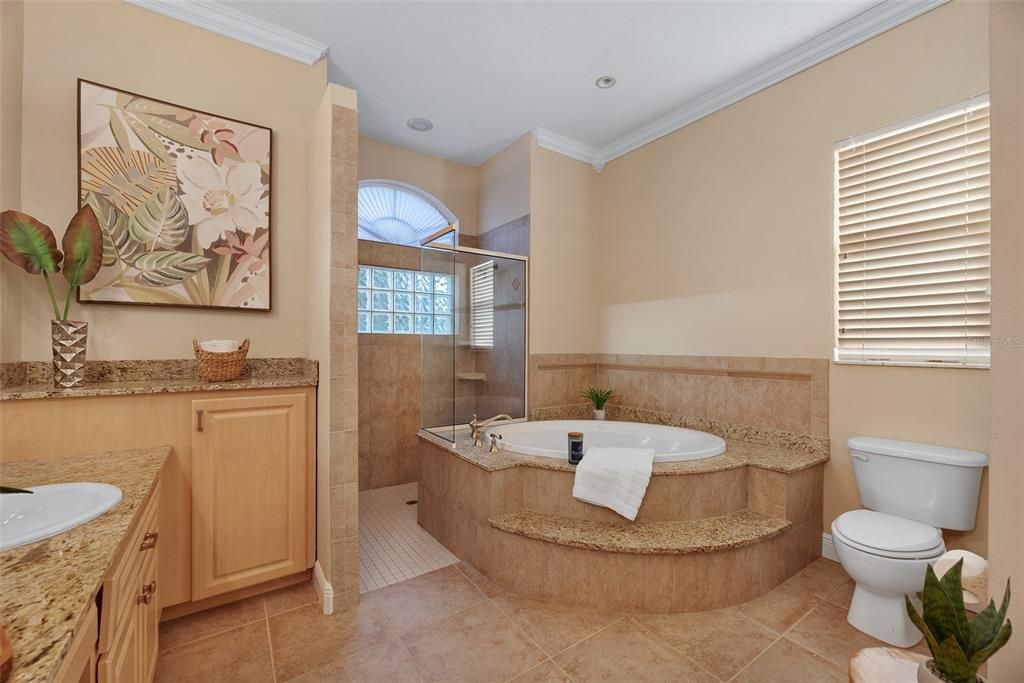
69 339
598 414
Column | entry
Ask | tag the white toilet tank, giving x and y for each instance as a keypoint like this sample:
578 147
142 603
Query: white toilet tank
934 485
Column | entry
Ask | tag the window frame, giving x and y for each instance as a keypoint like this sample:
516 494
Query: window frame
967 361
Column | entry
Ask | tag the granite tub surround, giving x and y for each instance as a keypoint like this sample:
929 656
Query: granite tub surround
780 402
710 533
47 587
128 377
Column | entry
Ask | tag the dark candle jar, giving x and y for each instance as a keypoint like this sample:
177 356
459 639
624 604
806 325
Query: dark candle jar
575 447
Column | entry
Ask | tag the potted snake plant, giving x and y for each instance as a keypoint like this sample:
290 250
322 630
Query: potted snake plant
959 645
598 397
31 245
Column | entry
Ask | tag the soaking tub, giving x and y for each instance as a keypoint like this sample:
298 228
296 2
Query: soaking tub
549 438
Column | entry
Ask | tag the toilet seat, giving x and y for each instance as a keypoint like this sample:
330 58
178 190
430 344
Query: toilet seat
877 533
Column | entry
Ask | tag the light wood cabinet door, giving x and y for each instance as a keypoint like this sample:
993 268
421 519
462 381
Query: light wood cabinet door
249 479
148 619
123 662
79 665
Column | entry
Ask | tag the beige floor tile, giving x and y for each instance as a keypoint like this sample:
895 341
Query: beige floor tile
241 655
721 641
546 672
387 661
779 608
626 652
477 644
486 586
305 639
551 625
212 621
292 597
424 599
842 595
819 578
826 632
786 662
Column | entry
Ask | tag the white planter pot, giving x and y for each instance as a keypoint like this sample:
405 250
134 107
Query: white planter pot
598 414
926 675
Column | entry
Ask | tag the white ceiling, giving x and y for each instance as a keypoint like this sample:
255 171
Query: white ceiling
487 72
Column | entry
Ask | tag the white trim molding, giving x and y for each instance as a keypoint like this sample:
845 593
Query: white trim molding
828 548
231 23
323 588
569 147
866 25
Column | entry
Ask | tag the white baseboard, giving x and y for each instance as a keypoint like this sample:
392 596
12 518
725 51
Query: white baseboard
828 548
323 588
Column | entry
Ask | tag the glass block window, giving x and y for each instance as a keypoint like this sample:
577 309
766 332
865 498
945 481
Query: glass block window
391 301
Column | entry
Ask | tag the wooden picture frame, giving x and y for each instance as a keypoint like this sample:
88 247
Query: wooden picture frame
184 199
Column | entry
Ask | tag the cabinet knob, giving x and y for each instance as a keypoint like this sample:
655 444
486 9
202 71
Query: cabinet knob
147 593
149 540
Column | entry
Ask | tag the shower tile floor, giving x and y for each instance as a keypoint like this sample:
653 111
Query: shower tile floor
392 547
454 626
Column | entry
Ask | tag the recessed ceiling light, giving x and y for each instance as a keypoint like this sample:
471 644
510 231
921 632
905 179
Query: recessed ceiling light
604 82
419 125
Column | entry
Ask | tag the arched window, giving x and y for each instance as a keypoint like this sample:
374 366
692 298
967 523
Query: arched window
391 211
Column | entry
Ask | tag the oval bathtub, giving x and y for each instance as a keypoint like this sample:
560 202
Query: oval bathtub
549 438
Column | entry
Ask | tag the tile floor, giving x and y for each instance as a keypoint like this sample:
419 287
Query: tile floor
392 546
455 625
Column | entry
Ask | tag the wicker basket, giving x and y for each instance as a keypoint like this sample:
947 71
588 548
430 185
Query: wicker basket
220 367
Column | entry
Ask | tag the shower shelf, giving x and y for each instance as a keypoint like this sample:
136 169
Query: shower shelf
471 377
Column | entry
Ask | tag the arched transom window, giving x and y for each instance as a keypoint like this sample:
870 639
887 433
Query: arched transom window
390 211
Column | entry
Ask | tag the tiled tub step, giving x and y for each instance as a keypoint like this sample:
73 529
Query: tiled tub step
711 534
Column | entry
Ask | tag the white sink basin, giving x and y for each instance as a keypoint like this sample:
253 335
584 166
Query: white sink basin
50 510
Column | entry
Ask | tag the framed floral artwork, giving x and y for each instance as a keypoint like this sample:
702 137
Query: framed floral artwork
183 200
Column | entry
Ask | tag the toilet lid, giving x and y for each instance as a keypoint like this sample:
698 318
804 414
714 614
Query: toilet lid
887 533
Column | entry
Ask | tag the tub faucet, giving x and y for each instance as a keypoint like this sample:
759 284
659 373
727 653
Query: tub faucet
476 425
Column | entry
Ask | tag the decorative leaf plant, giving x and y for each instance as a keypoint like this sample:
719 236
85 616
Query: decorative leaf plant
30 245
959 645
599 397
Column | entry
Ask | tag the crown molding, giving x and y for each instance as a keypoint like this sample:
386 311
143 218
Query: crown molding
234 24
864 26
569 147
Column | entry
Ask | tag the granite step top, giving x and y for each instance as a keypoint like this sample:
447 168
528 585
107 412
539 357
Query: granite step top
711 534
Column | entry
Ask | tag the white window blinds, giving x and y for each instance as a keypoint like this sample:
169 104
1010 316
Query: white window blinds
912 219
481 305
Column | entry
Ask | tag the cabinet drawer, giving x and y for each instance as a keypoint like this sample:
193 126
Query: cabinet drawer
122 586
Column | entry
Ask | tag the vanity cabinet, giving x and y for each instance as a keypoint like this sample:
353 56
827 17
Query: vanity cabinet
129 615
79 665
249 479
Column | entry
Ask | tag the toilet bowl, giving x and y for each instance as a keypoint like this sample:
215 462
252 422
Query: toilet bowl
886 556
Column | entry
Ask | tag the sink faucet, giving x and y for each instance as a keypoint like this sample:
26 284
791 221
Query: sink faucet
11 489
476 425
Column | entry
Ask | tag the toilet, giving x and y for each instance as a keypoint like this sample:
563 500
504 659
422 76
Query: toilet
910 491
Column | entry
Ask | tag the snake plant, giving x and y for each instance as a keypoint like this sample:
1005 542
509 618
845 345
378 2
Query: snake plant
30 245
959 645
598 396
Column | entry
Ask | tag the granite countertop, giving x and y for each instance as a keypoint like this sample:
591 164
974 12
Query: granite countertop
123 378
737 454
46 587
732 530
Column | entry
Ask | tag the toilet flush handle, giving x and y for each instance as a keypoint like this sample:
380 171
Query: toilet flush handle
860 456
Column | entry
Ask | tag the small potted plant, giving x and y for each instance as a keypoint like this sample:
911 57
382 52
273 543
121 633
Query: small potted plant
599 397
959 645
30 245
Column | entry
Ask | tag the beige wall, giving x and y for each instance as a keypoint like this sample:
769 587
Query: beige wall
717 239
505 185
564 276
454 184
128 47
11 26
1007 470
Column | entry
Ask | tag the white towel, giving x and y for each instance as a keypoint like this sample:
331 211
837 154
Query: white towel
615 478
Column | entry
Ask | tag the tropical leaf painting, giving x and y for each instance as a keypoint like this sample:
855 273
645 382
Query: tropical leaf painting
182 199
